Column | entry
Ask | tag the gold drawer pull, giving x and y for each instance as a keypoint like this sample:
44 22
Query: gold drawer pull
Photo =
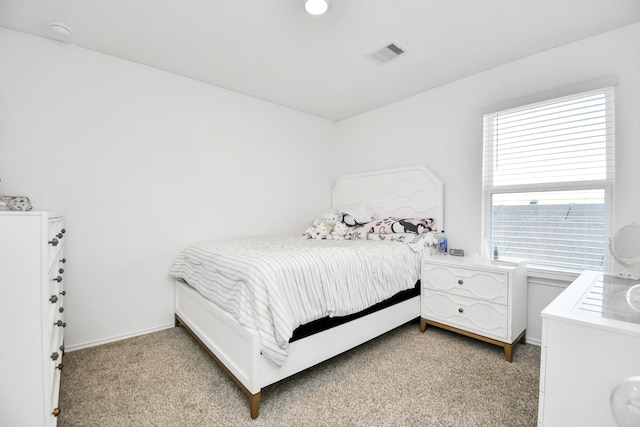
56 412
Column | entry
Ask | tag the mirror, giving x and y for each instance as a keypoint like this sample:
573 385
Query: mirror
625 244
633 297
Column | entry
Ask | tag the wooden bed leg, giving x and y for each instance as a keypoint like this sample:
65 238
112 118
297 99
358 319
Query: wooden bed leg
423 325
254 399
254 405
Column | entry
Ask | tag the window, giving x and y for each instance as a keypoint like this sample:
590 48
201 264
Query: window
547 179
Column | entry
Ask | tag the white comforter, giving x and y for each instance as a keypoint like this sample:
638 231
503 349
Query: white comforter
273 285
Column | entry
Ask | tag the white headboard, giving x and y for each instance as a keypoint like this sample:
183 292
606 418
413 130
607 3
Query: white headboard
406 192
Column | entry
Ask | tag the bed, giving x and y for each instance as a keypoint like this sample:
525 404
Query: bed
241 349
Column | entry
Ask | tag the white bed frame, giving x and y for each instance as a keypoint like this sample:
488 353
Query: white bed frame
407 192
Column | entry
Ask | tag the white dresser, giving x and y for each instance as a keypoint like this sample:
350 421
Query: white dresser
482 299
32 317
590 342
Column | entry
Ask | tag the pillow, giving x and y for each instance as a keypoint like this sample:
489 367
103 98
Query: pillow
357 232
392 225
394 237
356 215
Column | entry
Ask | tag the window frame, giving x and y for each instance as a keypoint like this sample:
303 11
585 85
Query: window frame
489 190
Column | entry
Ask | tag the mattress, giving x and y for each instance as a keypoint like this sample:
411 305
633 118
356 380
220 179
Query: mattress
320 325
272 285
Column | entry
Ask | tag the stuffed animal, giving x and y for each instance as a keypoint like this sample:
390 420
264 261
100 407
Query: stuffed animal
322 231
339 231
332 217
318 230
311 232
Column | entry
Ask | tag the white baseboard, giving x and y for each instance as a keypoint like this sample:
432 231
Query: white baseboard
96 343
534 342
116 338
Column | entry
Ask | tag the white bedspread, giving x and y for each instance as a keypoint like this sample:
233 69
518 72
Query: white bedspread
273 285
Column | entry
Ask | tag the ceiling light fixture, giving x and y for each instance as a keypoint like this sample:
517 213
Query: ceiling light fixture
316 7
61 29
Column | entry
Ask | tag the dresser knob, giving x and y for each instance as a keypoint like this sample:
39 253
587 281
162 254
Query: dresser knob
54 356
60 366
61 348
63 293
61 309
53 242
460 281
63 260
61 270
60 235
56 412
53 299
63 231
60 323
460 310
58 279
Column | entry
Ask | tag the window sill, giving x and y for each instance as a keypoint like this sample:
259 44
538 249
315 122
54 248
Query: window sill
553 274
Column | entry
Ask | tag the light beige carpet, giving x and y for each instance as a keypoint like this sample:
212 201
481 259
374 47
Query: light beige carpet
404 378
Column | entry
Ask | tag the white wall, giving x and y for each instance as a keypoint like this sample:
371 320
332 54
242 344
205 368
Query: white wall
143 162
442 128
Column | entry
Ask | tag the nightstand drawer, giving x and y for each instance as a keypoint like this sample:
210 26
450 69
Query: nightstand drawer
467 282
483 318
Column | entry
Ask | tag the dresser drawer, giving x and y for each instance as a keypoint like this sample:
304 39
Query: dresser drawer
55 237
55 303
480 317
57 333
467 282
56 277
55 396
55 274
56 348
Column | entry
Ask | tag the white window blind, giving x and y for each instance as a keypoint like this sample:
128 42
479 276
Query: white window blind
547 178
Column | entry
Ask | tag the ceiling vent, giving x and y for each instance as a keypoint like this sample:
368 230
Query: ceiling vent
387 53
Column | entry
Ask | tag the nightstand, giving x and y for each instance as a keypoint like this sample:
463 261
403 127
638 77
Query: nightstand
482 299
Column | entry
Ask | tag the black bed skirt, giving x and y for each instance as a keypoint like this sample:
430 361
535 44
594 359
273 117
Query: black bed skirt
325 323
